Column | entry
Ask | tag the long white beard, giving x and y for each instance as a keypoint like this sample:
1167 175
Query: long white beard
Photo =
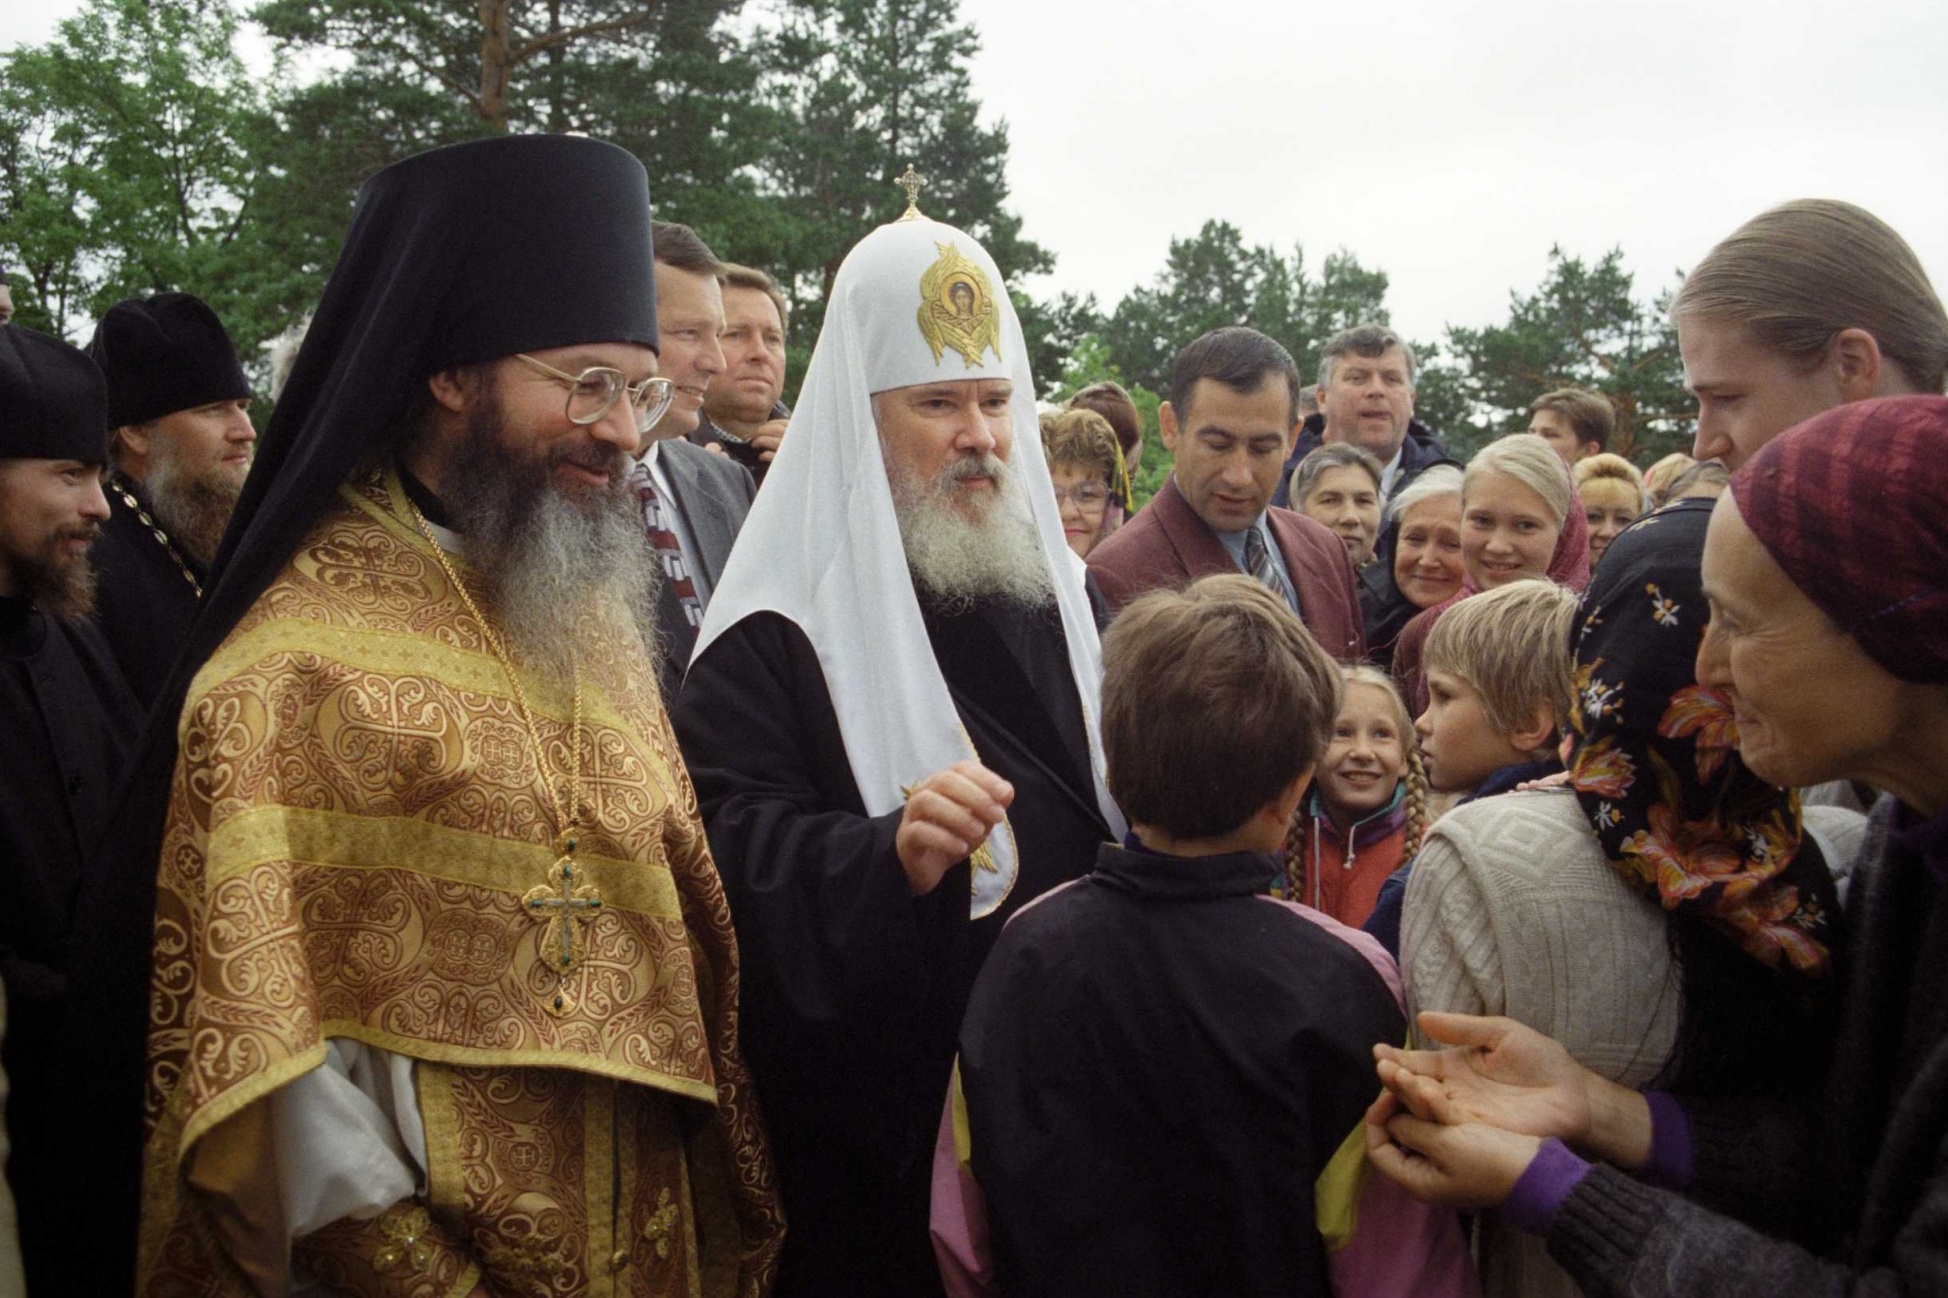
548 562
959 557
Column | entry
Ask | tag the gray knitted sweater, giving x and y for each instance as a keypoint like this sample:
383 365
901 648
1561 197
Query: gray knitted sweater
1861 1176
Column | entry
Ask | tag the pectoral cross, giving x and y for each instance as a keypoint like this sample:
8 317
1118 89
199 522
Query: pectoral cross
912 182
568 907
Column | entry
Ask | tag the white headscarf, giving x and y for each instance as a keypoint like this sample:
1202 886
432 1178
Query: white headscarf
822 545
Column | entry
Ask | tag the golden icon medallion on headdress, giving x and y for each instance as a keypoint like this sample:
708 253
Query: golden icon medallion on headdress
957 308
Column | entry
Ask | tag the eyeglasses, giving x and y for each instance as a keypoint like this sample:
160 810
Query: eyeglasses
594 392
1086 495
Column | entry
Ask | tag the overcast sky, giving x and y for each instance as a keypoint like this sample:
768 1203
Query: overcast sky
1448 143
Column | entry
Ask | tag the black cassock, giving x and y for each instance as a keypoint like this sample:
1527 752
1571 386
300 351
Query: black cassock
853 988
67 721
144 602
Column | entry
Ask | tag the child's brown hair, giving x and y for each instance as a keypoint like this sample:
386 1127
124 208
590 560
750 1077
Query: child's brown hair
1215 698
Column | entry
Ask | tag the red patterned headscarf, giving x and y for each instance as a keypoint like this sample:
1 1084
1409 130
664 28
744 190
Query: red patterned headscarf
1850 504
1655 760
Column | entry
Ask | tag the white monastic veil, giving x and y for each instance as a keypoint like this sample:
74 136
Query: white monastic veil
822 546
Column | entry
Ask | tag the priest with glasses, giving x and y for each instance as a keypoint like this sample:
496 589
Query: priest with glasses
444 984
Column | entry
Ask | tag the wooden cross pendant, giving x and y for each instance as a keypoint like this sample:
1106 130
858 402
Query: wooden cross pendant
568 906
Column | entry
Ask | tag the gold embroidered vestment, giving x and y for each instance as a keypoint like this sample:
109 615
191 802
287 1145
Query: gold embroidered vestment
356 817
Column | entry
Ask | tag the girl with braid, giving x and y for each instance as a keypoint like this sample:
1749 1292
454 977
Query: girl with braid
1367 807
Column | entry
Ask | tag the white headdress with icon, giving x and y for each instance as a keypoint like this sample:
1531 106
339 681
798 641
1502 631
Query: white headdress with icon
915 302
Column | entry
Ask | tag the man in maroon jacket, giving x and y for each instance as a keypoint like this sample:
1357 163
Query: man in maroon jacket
1230 421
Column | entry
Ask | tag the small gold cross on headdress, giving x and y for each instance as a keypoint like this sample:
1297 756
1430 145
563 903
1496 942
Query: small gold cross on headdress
912 182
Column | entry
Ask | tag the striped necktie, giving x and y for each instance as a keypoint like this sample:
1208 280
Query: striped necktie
676 570
1260 564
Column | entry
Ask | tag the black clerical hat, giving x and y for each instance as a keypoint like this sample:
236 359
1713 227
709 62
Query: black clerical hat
162 354
466 253
53 404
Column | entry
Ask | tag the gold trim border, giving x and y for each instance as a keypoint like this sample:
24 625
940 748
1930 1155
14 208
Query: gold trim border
343 840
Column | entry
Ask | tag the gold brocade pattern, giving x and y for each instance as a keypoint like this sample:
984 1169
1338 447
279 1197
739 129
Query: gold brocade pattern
355 818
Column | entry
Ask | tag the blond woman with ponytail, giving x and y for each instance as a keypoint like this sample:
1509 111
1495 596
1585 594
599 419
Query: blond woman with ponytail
1367 807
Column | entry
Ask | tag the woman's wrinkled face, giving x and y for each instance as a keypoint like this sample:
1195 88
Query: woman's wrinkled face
1347 500
1507 531
1427 554
1610 506
1811 705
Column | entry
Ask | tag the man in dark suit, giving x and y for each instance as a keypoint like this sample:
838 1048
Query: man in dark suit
693 502
1230 421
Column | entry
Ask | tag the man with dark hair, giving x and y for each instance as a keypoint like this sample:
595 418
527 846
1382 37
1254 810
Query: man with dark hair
1229 422
889 721
443 980
744 413
693 502
1577 422
66 721
180 449
1165 981
1366 397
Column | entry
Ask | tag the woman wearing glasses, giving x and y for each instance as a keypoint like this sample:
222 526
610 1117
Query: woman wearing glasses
1084 460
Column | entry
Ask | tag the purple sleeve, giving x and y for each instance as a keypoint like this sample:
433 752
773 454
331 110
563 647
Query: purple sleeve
1551 1175
1670 1161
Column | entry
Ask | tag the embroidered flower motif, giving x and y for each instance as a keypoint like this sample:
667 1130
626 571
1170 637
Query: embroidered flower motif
1606 816
1704 712
1684 858
1604 769
1663 609
1772 924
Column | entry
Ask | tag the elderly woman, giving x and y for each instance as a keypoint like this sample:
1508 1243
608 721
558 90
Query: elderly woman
1426 567
1339 485
1829 636
1109 400
1613 498
1086 465
1541 905
1520 520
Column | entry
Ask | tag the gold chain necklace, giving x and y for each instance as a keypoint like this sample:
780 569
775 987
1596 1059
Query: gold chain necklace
567 905
155 530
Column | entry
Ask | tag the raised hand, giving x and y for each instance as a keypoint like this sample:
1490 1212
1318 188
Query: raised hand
1472 1165
1510 1076
768 438
948 815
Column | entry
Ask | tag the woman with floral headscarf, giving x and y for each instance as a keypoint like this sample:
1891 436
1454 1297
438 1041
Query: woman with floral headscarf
1638 914
1829 638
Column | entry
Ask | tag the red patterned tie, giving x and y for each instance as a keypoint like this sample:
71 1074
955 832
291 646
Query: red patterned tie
676 570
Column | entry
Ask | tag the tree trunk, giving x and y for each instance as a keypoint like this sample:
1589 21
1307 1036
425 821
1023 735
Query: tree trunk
494 66
557 54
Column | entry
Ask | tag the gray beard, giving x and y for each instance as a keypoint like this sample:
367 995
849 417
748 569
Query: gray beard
546 562
193 508
959 559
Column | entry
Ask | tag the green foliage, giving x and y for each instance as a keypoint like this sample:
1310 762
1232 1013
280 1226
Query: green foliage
126 149
1213 279
858 89
1582 327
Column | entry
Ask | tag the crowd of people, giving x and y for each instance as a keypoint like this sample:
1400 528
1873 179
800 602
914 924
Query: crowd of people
549 817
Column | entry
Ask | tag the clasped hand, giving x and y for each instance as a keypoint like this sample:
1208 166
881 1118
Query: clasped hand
948 815
1459 1126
